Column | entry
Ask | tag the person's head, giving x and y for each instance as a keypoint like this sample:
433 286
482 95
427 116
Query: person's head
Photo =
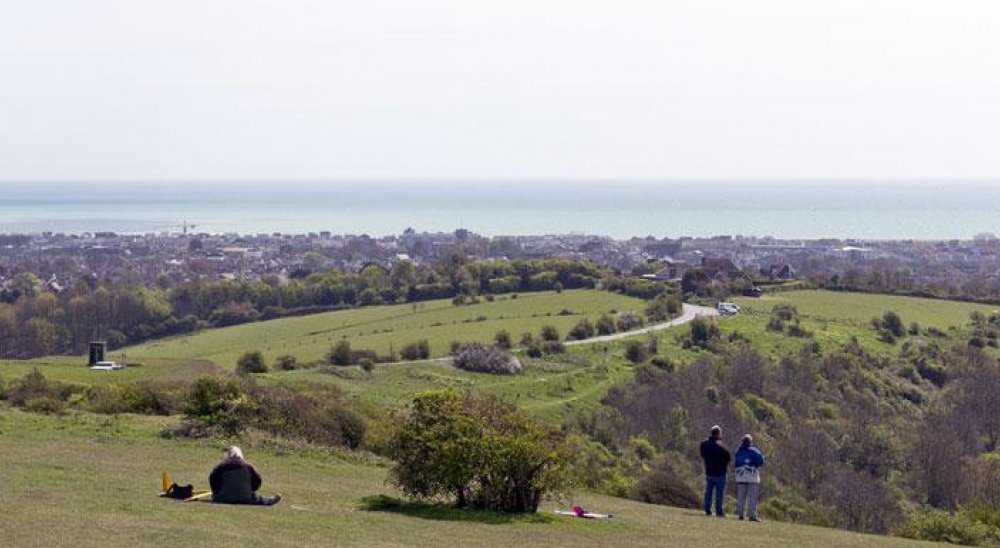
747 440
716 432
233 452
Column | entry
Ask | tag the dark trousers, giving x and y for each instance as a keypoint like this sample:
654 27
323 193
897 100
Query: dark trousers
716 485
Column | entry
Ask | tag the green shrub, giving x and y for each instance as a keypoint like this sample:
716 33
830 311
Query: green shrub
584 329
665 485
627 321
142 397
606 325
320 420
549 333
341 353
34 385
251 362
893 323
478 449
636 351
218 403
286 363
420 350
45 404
941 526
502 340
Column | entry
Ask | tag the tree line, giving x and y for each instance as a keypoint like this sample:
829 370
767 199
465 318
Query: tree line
36 322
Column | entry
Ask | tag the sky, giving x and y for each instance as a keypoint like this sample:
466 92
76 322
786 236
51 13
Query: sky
453 90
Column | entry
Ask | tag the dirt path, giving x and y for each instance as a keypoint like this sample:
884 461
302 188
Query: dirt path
689 313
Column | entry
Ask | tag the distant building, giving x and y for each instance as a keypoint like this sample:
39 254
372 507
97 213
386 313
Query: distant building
720 269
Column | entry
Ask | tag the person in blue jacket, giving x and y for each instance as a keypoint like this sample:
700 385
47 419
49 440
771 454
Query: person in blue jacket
748 462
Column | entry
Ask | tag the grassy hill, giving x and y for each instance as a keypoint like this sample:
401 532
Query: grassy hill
84 480
381 328
859 308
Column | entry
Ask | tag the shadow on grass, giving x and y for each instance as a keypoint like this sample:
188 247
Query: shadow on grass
441 512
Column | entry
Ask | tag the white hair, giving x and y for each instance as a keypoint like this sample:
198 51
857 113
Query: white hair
233 452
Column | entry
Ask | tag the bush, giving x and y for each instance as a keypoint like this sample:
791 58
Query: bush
636 351
341 353
324 421
582 330
663 307
941 526
34 385
627 321
479 450
45 404
775 324
665 485
420 350
796 330
286 363
702 333
605 325
142 397
785 312
502 340
893 323
218 403
251 362
549 333
476 357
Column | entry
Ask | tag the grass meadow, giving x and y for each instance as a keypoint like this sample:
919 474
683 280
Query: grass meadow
386 328
84 480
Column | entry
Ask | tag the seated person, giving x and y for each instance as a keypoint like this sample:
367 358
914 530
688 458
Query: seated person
235 481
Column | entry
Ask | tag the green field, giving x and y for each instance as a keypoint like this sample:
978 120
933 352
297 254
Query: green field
74 369
860 308
84 480
383 328
547 388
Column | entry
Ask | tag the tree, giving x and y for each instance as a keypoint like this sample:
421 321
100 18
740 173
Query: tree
582 330
251 362
893 323
549 333
286 362
478 449
341 353
502 340
605 325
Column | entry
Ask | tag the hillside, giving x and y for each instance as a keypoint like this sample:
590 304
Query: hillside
384 328
844 414
85 480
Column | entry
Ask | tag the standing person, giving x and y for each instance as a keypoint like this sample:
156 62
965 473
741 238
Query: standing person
716 459
236 481
749 461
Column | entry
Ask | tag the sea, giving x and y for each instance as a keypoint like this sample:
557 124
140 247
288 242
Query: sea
844 209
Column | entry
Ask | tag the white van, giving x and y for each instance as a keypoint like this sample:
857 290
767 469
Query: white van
727 309
107 366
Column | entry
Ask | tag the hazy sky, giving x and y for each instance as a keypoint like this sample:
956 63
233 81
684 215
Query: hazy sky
434 89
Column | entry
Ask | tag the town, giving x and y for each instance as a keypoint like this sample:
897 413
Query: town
56 260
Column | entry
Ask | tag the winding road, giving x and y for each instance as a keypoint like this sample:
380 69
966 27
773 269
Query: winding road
690 312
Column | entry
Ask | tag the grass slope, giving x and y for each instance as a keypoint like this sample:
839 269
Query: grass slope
84 480
380 328
860 308
74 369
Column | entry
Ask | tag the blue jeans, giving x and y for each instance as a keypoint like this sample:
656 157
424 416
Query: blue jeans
718 485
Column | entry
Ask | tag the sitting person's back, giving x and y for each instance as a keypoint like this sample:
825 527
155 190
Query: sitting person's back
235 481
